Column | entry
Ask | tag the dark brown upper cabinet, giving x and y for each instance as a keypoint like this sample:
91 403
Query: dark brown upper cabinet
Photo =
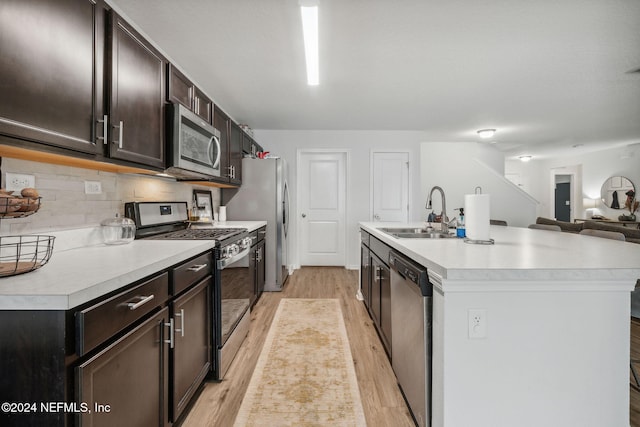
222 122
235 154
79 81
137 127
51 78
249 145
181 90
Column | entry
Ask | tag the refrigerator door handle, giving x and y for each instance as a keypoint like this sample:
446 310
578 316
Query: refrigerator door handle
285 209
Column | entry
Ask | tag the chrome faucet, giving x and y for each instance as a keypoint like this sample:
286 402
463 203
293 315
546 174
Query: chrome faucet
443 220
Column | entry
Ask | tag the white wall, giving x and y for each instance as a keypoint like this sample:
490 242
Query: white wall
64 205
594 169
459 167
359 143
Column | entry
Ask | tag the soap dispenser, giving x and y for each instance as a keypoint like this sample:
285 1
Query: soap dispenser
460 230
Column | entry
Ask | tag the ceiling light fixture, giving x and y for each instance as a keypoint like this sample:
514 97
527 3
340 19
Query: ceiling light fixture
309 13
525 158
486 133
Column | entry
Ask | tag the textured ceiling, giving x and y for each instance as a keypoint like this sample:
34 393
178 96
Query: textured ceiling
547 74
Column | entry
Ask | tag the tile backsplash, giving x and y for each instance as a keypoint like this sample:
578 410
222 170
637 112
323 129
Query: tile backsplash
64 204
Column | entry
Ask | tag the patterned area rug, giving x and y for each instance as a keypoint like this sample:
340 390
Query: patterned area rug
305 374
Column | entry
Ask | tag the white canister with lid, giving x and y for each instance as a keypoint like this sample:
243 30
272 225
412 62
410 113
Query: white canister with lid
118 230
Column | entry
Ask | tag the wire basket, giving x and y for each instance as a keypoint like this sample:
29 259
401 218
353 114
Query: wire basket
22 254
18 207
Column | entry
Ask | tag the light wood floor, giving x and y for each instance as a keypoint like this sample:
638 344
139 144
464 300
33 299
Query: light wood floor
383 403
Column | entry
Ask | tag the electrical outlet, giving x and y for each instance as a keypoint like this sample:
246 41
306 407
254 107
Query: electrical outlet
18 181
92 187
477 322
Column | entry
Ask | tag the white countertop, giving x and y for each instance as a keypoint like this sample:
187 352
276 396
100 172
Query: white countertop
75 275
520 254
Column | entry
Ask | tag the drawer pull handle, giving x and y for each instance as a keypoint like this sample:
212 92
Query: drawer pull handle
171 339
197 267
181 316
143 300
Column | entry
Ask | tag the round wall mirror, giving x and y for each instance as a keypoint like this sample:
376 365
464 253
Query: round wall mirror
613 191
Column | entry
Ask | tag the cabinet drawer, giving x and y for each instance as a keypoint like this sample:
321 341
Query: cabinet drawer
364 237
191 272
262 232
100 322
380 249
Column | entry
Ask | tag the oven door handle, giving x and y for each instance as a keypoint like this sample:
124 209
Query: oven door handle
222 263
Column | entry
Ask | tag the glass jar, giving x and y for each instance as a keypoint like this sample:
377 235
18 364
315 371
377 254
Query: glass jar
118 231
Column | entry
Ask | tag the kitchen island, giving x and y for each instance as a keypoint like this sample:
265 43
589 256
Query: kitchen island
556 344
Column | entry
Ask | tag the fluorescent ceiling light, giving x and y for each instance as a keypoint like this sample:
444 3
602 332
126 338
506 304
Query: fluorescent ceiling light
525 158
486 133
310 31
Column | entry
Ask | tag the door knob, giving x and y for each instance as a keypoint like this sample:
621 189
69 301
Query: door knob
376 217
304 215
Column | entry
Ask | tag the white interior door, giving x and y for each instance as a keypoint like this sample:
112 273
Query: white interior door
390 186
322 207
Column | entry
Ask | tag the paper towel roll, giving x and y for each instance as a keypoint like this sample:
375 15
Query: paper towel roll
476 209
222 214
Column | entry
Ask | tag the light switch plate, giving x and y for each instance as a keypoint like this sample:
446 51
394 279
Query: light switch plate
92 187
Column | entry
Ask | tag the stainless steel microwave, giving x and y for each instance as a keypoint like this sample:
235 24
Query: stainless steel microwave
194 145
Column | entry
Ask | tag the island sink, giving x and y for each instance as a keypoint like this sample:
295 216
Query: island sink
416 233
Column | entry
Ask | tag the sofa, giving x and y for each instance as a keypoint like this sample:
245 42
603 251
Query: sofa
630 234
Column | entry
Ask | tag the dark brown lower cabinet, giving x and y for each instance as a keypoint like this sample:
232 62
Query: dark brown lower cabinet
191 354
365 275
376 273
126 384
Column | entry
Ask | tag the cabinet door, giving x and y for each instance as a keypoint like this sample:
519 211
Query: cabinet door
192 350
385 307
365 275
222 122
260 267
179 88
235 153
51 78
130 376
376 272
137 97
235 159
381 300
202 105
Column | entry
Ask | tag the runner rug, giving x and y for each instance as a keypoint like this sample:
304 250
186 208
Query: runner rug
305 374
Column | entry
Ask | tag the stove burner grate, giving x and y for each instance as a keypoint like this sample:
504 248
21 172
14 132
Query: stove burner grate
200 234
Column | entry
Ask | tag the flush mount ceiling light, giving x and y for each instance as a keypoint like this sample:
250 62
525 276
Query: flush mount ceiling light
309 13
525 158
486 133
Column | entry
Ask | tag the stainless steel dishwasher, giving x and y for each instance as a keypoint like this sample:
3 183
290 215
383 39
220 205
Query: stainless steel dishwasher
411 335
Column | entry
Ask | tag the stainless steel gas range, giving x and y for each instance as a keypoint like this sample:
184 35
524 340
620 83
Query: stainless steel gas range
233 288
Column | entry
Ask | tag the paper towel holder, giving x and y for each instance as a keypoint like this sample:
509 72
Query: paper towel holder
478 190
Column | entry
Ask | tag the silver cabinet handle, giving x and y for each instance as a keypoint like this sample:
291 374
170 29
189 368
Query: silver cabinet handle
104 121
120 133
143 300
171 340
376 217
181 316
197 267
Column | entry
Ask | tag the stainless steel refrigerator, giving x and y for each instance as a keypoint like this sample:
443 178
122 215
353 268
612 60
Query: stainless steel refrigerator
264 195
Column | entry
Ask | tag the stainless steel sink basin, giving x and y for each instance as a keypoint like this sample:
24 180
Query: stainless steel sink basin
416 233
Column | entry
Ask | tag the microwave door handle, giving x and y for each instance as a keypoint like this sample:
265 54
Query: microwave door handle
215 163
